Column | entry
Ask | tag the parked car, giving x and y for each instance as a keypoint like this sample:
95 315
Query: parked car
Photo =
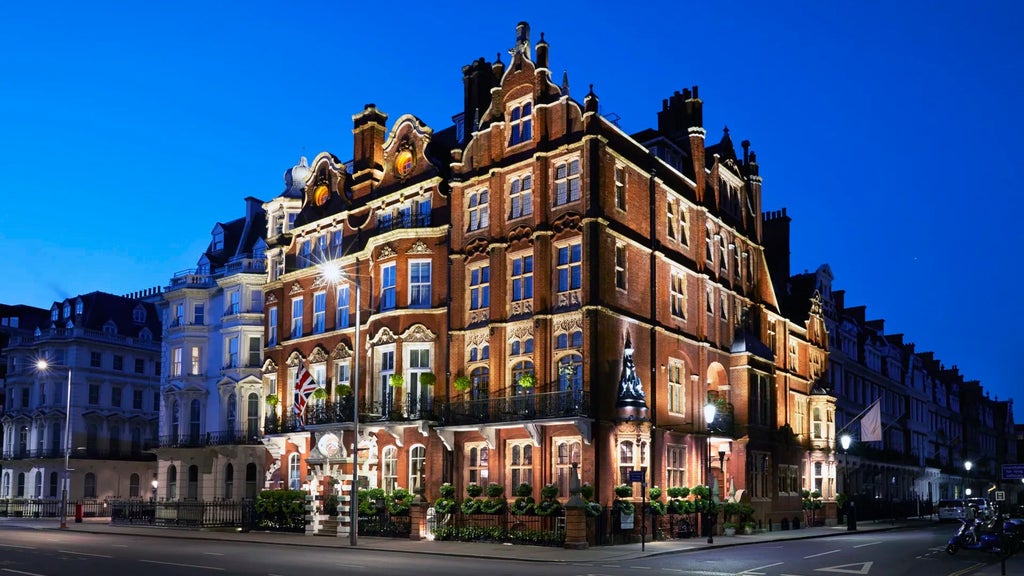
951 510
982 508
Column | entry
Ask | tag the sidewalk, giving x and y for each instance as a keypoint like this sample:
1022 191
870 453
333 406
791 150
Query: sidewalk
490 550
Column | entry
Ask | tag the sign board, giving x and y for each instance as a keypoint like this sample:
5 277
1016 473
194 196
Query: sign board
626 521
636 475
1000 495
1013 471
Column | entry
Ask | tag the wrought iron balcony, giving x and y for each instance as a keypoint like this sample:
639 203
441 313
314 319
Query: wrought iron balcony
519 407
219 438
329 412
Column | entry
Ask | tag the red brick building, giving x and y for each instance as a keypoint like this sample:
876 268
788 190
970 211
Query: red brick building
625 274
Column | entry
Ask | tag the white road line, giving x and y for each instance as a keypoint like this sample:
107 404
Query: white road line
16 546
182 565
821 554
214 553
868 544
20 572
360 566
749 570
84 554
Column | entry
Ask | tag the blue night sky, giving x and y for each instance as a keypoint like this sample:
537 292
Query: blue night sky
885 128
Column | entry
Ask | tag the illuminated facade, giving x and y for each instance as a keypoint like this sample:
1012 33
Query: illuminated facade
541 289
211 418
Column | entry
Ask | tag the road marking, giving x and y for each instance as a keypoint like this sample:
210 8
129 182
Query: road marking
821 554
20 572
182 565
865 567
16 546
84 553
868 544
751 570
360 566
214 553
967 570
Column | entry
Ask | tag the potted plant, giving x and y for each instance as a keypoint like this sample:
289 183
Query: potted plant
462 383
657 507
550 504
730 528
428 379
272 399
524 502
320 394
342 390
749 527
396 380
527 380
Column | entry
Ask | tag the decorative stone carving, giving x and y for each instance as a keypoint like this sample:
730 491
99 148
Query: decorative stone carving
521 308
419 247
269 367
319 282
318 355
569 323
386 251
568 300
272 298
477 338
341 352
419 333
478 316
520 331
383 336
296 289
294 359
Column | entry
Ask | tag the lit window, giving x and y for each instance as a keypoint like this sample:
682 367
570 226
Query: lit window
417 467
567 452
676 387
477 460
419 284
341 315
521 123
319 312
478 210
296 317
620 188
678 295
522 278
387 287
520 458
569 267
567 182
521 196
272 327
480 287
620 266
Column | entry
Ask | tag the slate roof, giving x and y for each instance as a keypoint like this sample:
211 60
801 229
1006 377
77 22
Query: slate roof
98 308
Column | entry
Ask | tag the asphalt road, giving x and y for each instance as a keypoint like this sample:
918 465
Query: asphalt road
29 552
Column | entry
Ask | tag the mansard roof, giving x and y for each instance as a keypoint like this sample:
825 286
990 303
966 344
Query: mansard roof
100 308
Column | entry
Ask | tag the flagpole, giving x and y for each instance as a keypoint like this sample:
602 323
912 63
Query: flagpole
859 416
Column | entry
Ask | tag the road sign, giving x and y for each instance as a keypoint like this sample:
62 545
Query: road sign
636 475
1000 496
1013 471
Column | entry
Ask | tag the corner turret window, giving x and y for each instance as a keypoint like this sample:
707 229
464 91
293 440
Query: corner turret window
520 123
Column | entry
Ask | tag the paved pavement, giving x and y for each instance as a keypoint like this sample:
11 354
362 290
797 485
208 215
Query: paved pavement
988 566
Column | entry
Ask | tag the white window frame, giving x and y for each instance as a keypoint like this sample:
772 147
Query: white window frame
520 195
420 292
478 210
480 287
567 184
677 380
520 456
296 321
319 312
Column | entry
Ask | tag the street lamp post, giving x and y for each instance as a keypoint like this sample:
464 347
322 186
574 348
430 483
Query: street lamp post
967 480
709 417
851 510
43 365
332 272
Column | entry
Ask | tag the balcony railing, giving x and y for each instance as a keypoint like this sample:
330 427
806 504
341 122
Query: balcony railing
330 412
410 221
126 453
519 407
220 438
68 333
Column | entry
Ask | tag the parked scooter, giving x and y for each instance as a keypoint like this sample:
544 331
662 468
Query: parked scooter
982 536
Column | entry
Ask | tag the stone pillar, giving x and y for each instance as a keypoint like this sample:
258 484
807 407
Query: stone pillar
345 510
312 520
575 514
417 520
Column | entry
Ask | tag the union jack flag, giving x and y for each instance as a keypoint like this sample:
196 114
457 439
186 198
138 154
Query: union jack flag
304 386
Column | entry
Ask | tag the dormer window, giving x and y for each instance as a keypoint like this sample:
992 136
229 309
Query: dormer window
520 123
67 309
218 240
110 327
139 314
78 307
54 314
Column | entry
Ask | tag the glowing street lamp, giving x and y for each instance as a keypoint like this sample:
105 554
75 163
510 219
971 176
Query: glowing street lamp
332 272
851 518
709 416
42 365
967 466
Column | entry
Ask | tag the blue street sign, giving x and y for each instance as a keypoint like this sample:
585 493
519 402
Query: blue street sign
1013 471
636 475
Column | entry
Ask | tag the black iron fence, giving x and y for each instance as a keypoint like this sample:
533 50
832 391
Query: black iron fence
517 407
384 523
218 438
503 527
239 514
50 508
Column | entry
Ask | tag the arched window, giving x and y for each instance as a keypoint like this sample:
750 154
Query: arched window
417 467
520 369
250 481
38 488
232 413
194 420
193 482
20 493
567 452
133 486
480 378
390 471
172 482
175 423
90 485
229 482
294 471
252 416
5 485
570 372
54 480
